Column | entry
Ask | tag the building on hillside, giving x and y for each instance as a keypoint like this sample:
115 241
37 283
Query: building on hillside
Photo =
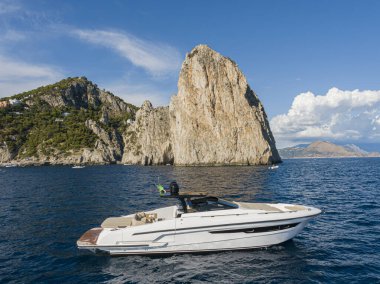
14 102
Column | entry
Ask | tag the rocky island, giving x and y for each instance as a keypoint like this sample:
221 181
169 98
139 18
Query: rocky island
214 119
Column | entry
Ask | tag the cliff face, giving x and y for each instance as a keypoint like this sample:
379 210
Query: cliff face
5 154
147 141
71 121
108 147
216 118
76 93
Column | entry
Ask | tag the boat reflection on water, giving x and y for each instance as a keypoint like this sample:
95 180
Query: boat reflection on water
254 265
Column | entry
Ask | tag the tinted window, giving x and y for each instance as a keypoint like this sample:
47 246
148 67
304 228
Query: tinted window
209 204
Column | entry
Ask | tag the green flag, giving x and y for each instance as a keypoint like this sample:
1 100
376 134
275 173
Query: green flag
161 189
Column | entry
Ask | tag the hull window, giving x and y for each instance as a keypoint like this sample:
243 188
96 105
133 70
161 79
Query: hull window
257 230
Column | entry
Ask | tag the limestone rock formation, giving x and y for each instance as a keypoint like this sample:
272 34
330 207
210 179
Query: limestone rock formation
109 145
216 118
147 140
82 93
5 153
70 121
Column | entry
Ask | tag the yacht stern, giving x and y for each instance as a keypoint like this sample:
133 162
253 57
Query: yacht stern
89 238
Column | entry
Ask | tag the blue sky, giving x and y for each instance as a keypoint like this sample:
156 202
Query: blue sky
135 48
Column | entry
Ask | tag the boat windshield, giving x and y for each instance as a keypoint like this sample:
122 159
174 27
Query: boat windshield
209 204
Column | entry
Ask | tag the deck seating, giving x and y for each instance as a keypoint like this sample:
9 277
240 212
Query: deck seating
259 206
140 218
296 208
117 222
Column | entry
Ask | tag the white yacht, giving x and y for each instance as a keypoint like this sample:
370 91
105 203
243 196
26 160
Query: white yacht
273 167
201 223
78 167
10 165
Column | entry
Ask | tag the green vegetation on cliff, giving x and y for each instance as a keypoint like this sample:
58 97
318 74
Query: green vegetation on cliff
24 131
43 90
51 119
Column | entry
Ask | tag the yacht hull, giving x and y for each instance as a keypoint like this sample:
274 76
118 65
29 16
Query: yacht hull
245 235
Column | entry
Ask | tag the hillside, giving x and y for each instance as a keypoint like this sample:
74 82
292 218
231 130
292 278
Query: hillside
56 123
323 149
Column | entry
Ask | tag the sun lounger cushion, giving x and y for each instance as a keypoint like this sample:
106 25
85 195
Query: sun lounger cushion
117 222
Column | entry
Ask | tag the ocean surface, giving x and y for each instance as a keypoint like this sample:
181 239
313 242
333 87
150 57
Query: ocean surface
44 210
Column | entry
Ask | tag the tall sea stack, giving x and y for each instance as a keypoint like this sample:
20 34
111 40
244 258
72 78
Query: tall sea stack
215 119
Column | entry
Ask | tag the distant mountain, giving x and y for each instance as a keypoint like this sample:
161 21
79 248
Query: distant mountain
354 148
303 146
324 149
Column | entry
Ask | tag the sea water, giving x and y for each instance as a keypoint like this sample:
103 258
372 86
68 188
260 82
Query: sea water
44 210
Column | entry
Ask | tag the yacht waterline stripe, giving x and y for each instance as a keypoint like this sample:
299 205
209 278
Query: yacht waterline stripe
184 251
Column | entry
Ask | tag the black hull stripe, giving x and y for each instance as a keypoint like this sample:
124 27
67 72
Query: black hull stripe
256 230
222 225
173 233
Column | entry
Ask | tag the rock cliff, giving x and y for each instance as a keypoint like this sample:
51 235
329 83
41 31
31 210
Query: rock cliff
5 154
108 146
80 93
147 141
69 122
216 118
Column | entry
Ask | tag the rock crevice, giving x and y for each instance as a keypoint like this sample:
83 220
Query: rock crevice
147 140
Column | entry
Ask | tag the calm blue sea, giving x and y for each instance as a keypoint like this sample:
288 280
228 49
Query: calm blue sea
44 210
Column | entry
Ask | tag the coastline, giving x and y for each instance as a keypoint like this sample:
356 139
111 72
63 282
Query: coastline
48 164
338 157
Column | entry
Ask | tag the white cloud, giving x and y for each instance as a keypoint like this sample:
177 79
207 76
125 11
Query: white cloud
158 59
337 115
17 76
